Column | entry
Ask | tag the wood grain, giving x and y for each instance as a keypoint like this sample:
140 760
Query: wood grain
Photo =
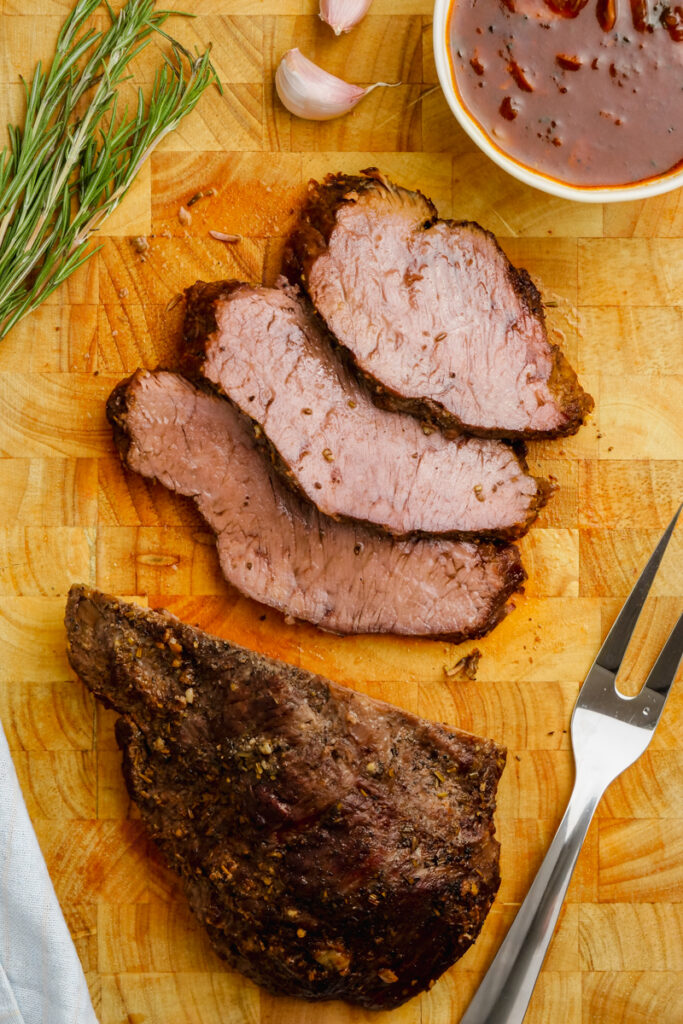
612 936
632 997
613 278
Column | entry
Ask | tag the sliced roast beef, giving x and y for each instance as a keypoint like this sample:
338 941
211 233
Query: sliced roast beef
432 311
333 846
265 349
277 548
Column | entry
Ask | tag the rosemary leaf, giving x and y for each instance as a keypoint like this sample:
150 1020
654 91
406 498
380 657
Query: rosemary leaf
75 158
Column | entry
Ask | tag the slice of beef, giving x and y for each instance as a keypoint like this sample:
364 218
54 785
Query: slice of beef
266 350
334 846
432 311
277 548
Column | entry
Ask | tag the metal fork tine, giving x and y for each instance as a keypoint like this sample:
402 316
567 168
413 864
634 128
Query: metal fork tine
663 672
611 654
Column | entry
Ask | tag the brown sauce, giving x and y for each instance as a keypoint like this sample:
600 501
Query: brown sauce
588 93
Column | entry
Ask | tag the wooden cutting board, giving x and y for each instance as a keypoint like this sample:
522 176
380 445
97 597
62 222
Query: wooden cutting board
613 277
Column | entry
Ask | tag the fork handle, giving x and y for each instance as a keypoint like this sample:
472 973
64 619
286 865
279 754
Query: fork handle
504 992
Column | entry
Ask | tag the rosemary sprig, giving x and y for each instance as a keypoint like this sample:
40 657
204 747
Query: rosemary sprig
75 159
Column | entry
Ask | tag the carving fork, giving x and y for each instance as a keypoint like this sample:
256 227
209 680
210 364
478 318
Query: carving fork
609 732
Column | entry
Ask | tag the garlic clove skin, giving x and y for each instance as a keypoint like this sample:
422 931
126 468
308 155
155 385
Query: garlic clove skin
343 15
309 91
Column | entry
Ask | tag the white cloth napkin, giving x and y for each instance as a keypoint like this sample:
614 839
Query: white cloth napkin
41 978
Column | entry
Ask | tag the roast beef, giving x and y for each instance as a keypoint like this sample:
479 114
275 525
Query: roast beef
333 846
432 311
277 548
265 350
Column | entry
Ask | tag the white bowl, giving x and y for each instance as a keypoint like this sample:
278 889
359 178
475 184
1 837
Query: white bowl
588 194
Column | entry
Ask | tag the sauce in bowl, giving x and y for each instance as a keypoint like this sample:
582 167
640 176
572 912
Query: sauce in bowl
587 93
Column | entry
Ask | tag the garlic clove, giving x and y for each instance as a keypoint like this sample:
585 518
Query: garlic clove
313 93
342 15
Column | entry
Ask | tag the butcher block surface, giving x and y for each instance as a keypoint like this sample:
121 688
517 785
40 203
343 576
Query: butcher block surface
613 278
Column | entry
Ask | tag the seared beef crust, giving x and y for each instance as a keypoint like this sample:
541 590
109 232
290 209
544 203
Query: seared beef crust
333 846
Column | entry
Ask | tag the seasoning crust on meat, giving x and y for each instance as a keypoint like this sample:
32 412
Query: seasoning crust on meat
333 846
432 312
